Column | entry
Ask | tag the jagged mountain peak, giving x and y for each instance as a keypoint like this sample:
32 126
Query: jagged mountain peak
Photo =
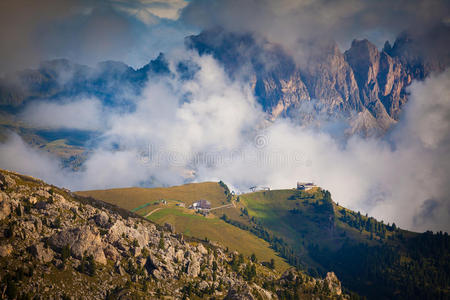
425 51
363 79
364 48
114 65
159 65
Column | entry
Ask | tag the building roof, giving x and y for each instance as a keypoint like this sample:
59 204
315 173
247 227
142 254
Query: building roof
205 204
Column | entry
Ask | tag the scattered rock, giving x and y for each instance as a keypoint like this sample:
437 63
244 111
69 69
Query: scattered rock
6 181
20 210
5 206
202 249
121 236
152 265
333 283
289 275
98 255
111 253
193 268
141 234
169 227
43 193
239 292
59 198
141 261
119 269
179 255
81 241
136 251
5 250
42 205
41 253
101 219
203 285
32 200
37 224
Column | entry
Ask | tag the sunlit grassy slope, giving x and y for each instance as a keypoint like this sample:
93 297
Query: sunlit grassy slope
301 219
131 198
148 200
320 235
275 210
295 216
215 229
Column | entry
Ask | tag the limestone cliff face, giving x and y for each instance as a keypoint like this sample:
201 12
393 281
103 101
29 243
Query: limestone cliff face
331 81
392 80
365 60
281 95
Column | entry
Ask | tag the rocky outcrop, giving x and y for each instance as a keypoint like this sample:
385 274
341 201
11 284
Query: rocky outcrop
193 267
5 206
333 284
6 181
331 81
41 253
5 250
364 58
169 227
111 253
81 241
101 219
240 292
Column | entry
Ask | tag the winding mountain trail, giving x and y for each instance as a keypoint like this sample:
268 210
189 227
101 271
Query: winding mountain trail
153 212
224 206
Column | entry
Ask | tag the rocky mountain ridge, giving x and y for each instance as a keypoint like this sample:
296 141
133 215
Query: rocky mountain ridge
365 86
54 244
110 81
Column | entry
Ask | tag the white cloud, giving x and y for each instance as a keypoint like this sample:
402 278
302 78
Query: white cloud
214 127
88 31
146 10
82 114
17 156
296 23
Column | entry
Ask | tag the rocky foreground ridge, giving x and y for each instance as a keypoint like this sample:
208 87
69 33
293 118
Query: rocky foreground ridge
56 245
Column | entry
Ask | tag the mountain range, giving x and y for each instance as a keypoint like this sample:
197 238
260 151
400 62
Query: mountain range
364 87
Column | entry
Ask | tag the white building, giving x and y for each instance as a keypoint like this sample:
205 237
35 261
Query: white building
304 186
201 204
